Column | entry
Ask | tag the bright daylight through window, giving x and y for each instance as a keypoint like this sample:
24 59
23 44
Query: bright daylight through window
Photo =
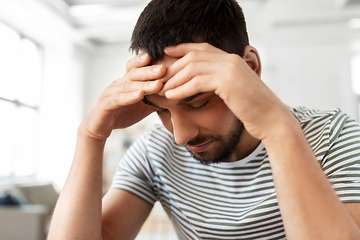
20 95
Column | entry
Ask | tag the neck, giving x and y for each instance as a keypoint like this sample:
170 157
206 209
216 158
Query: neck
245 147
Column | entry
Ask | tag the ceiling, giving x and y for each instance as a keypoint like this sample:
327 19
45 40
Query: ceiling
109 21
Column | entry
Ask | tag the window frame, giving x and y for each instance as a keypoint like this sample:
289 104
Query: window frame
13 178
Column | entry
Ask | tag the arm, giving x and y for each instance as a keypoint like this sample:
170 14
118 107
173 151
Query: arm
78 212
308 204
354 210
123 214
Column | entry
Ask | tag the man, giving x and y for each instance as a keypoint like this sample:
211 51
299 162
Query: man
230 161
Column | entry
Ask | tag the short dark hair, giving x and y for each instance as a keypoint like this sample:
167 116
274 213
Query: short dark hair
164 23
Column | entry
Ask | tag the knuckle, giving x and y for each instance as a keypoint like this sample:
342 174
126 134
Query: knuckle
192 54
116 81
144 85
205 45
131 72
234 57
126 86
128 65
105 92
196 82
106 104
191 66
188 70
234 60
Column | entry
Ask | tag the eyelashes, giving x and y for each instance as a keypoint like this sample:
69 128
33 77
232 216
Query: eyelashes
189 107
199 107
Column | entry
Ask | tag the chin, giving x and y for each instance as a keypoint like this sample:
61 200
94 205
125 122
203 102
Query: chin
204 158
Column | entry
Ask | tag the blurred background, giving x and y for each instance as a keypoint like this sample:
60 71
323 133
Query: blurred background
56 56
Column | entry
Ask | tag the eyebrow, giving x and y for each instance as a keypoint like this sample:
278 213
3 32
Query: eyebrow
182 101
188 99
147 102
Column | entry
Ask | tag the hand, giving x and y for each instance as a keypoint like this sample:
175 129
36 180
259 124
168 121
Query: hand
120 105
236 80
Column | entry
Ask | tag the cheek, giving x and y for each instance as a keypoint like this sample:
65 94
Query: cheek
217 118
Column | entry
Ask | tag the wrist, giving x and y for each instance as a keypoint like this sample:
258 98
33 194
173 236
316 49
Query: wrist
285 128
287 141
85 134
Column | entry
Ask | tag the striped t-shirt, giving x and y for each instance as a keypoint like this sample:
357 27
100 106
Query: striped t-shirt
235 200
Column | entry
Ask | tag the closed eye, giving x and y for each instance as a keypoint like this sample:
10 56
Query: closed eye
199 107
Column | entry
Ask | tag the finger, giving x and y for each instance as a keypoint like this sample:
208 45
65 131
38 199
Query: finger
115 101
147 73
193 56
143 74
184 48
148 87
189 72
138 61
198 84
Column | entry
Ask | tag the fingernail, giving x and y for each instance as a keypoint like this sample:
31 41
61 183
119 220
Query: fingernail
169 93
143 56
157 68
153 83
169 47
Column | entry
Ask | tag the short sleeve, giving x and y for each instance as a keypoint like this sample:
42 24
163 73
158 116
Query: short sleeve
134 173
341 163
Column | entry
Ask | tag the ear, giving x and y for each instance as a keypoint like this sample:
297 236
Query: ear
252 58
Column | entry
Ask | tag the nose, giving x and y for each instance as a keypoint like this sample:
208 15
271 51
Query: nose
184 128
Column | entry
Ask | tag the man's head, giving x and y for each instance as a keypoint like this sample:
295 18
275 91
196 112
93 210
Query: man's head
202 122
171 22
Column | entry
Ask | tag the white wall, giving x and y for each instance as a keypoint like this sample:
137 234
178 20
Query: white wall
105 65
306 47
65 55
310 66
306 65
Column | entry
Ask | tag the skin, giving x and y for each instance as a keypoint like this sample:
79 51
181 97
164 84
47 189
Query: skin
308 204
205 115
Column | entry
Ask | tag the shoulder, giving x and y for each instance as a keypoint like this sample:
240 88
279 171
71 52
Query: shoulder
313 120
324 129
305 115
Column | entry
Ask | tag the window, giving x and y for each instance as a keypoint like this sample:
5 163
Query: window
20 95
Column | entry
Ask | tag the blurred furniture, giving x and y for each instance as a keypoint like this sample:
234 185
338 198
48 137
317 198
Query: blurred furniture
23 222
29 217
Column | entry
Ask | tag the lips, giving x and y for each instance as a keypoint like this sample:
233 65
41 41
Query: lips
200 148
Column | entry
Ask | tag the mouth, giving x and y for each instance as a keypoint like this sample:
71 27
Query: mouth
200 148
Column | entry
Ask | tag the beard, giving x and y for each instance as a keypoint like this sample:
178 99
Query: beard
228 145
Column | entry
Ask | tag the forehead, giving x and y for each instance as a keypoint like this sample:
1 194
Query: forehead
152 99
